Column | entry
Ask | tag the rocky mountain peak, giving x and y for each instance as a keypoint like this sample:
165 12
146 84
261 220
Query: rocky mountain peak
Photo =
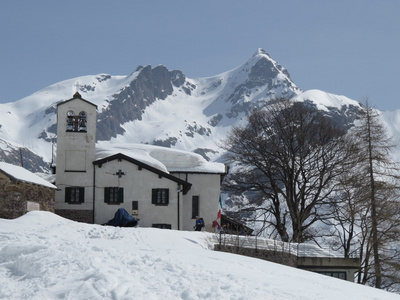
128 104
153 105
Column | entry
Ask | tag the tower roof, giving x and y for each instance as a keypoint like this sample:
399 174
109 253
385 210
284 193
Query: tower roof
77 96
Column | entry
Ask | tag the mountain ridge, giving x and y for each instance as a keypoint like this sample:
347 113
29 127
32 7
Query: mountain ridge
155 106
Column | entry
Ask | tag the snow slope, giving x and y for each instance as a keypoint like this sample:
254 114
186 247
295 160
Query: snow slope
324 100
43 256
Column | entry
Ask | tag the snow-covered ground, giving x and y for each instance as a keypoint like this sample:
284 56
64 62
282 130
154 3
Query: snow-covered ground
43 256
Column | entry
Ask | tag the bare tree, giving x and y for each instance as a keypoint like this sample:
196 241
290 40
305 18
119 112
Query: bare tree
367 212
372 136
287 158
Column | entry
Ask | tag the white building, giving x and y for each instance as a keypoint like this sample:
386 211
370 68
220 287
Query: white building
162 187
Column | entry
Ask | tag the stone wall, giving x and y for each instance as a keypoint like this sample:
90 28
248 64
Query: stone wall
14 196
85 216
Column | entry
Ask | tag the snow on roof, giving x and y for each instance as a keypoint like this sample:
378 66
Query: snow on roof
24 175
162 158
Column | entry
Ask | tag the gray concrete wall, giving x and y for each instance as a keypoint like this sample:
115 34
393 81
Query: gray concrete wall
348 266
331 264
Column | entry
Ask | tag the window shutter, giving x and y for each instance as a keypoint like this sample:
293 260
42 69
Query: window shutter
154 196
81 195
167 196
121 195
195 206
106 195
67 194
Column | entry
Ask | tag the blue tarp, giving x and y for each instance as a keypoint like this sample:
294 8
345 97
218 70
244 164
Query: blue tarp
122 219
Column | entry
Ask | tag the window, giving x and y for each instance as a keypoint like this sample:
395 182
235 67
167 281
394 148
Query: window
70 121
135 205
336 274
74 195
162 226
82 121
160 196
76 123
195 206
113 195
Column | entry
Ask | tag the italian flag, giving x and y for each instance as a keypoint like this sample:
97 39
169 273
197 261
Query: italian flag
220 208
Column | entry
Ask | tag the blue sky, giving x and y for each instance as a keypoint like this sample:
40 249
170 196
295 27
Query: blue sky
349 48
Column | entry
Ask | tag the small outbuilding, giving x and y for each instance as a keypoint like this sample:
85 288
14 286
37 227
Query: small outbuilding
22 191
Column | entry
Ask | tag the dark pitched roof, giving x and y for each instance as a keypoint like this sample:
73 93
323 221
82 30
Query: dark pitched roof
77 96
119 156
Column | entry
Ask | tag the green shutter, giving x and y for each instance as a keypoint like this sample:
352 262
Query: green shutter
106 195
167 196
67 194
154 196
121 195
195 206
81 195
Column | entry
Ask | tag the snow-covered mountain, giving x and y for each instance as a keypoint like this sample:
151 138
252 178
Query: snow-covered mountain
157 106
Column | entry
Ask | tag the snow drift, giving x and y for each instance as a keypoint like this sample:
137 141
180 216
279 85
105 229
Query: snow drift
43 256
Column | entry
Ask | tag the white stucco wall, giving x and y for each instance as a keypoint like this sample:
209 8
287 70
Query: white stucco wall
207 187
75 154
138 185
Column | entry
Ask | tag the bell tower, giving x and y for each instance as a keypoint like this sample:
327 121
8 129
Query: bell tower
76 139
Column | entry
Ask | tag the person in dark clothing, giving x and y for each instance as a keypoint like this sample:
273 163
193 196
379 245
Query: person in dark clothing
199 224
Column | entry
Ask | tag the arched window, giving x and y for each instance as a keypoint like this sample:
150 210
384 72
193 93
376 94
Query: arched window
76 123
82 121
70 121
